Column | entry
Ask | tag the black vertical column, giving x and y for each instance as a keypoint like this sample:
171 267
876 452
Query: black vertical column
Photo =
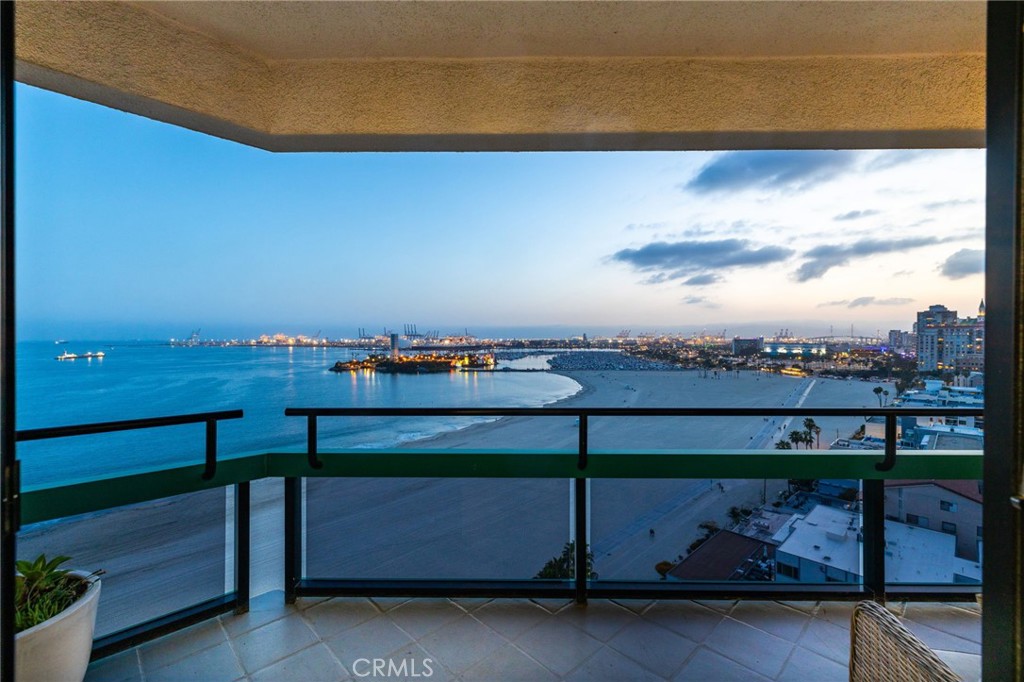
243 510
8 463
1004 342
874 538
292 537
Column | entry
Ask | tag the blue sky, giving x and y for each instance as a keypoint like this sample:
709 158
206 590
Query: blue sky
129 228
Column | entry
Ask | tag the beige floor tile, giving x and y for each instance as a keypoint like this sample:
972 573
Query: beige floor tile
508 664
313 664
462 643
705 665
688 618
512 617
828 640
806 666
375 638
750 647
283 637
216 663
608 665
560 647
772 617
599 618
180 644
420 617
122 667
655 648
337 615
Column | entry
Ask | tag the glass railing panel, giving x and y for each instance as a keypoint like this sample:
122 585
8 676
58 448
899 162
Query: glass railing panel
435 529
933 532
764 530
158 557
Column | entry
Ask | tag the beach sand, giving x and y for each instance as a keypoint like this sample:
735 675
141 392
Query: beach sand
163 556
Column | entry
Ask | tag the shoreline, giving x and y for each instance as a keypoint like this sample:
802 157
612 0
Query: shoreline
454 528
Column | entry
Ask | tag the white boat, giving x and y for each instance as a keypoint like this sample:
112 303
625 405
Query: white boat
66 356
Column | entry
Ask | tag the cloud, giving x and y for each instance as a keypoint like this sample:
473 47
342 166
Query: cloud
948 203
864 301
703 280
854 215
963 263
827 256
701 301
696 232
898 157
903 273
697 259
775 169
645 226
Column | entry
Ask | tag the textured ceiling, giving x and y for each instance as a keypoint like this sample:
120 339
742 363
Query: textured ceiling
299 29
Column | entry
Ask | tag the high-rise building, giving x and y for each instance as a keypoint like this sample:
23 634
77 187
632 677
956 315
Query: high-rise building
946 342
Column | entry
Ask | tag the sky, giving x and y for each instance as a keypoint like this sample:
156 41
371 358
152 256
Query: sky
130 228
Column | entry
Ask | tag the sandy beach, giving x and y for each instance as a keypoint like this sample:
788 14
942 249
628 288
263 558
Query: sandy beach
168 555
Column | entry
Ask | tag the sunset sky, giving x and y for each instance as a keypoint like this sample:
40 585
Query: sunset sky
129 228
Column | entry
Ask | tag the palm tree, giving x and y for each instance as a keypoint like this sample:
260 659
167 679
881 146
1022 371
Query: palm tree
796 437
811 427
878 391
886 394
783 445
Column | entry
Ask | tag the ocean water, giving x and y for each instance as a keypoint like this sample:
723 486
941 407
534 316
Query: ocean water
138 380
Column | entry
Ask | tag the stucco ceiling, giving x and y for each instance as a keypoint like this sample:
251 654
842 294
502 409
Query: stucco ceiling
299 29
480 75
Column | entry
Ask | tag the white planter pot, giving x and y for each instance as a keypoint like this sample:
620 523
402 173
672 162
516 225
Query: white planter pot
58 649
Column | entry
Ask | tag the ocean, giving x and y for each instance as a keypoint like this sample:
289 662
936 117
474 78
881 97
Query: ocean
137 380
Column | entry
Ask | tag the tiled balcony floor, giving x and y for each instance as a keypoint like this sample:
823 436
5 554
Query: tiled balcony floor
506 640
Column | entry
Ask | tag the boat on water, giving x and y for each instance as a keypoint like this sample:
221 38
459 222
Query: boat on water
84 356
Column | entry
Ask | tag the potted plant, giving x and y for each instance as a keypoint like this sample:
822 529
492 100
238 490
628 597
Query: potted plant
54 618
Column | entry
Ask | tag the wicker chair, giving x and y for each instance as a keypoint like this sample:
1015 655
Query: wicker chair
883 650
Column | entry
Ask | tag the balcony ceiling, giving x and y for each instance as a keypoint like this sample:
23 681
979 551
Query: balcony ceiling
496 75
500 29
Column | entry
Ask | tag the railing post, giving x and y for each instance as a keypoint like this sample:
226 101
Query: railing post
211 450
889 462
242 545
874 538
581 541
292 537
311 445
581 516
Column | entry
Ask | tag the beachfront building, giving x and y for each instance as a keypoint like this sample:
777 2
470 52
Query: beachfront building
946 342
567 76
952 507
746 347
794 350
727 555
969 392
825 545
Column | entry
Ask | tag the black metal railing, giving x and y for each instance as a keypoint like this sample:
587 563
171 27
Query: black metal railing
874 575
238 600
586 464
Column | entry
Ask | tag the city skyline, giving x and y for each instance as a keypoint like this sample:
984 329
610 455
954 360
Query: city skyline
130 228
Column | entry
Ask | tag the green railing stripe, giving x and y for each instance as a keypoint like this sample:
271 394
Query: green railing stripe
56 502
104 493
